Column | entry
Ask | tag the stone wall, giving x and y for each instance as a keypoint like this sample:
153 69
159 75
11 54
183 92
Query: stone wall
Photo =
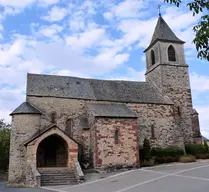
23 127
172 80
31 157
107 152
161 119
176 85
65 109
196 128
159 116
85 144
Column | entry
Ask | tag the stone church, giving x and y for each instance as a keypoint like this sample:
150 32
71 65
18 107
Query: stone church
68 122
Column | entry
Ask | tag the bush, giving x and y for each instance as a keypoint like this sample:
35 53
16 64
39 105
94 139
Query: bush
187 159
202 156
168 159
206 146
194 149
4 148
167 152
148 163
141 153
146 147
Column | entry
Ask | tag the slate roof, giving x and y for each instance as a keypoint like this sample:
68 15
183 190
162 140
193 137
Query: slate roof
92 89
26 108
164 33
111 110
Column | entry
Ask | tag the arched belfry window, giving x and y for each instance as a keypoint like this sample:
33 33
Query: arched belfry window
171 53
153 57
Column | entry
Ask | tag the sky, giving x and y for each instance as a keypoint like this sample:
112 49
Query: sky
102 39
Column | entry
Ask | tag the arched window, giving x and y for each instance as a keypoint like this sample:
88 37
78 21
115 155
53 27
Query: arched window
179 111
116 136
54 117
152 131
153 57
68 129
171 53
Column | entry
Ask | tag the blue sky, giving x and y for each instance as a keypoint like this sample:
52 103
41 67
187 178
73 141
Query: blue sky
92 38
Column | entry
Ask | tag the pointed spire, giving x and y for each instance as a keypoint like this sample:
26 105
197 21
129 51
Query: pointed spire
163 33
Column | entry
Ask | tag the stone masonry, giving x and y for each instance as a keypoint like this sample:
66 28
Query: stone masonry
102 123
106 152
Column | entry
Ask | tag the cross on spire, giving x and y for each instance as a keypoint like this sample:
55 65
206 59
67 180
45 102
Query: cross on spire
159 6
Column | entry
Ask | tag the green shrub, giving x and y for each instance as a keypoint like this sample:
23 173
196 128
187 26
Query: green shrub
202 156
168 159
194 149
148 163
141 153
206 146
146 147
165 152
4 148
187 159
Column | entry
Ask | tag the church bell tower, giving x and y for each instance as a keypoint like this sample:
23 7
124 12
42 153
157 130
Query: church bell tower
167 71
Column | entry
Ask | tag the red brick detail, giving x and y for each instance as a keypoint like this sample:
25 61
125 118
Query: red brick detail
73 150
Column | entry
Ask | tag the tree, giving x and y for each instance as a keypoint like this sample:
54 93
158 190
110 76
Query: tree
4 144
206 146
201 30
4 125
147 149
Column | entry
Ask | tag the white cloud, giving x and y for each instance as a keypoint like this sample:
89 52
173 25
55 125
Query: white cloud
199 83
13 7
141 31
4 114
89 47
66 72
47 2
50 31
86 39
204 120
16 3
130 75
108 15
56 14
128 8
77 23
9 99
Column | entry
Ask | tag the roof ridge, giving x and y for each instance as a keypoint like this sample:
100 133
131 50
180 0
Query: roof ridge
82 78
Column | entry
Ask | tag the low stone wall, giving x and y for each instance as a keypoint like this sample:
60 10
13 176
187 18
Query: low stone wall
78 172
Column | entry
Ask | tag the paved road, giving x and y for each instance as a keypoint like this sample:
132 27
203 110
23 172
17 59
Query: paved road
182 178
171 178
4 188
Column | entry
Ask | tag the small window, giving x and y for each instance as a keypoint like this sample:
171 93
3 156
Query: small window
54 117
179 111
68 128
152 131
171 53
153 57
116 136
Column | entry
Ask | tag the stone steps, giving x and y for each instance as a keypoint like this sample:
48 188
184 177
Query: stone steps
57 176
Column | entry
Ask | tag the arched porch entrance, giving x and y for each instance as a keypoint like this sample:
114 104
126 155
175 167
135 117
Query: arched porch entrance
49 148
52 152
